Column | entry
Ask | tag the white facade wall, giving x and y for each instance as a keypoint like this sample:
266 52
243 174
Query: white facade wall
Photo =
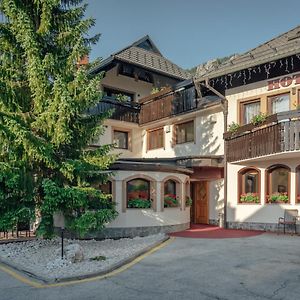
263 212
208 132
216 198
139 88
259 90
134 217
208 137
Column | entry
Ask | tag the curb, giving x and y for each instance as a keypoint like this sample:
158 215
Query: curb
118 265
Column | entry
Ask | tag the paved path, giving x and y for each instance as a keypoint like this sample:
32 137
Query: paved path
260 267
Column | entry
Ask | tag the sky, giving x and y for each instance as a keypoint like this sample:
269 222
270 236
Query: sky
190 32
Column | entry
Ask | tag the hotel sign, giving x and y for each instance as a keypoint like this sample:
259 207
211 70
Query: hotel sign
283 82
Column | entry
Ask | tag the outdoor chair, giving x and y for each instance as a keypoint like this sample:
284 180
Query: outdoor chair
290 218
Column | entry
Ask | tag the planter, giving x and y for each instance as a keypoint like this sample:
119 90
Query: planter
249 198
278 198
171 201
139 203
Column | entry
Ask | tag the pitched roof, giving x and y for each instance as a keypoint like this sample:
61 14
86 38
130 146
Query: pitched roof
145 54
279 47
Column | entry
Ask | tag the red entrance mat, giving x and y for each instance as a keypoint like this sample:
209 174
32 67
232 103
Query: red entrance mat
214 232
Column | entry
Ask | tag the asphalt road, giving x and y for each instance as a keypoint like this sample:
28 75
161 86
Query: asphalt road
261 267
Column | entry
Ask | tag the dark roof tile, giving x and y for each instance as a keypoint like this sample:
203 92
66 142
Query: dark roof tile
279 47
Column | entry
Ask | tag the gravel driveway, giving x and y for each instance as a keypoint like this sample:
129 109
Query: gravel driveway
261 267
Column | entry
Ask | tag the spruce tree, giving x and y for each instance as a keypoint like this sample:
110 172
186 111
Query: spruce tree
45 161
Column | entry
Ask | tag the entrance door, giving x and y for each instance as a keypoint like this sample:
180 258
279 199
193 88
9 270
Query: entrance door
200 196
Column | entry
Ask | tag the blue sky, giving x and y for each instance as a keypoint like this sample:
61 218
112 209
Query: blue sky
192 31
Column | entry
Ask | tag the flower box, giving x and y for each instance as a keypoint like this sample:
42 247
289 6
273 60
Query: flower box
278 198
171 201
249 198
139 203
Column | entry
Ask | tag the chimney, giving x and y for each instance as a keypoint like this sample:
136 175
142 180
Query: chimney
83 61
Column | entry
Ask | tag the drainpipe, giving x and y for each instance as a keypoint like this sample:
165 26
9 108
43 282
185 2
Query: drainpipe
225 116
224 103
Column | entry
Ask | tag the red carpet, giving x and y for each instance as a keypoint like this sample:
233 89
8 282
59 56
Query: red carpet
214 232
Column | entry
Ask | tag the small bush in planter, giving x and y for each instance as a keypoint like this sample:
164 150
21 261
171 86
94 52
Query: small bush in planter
259 119
188 201
139 203
249 198
233 127
278 198
170 201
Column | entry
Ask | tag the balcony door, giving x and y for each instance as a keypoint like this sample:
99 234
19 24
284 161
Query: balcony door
200 202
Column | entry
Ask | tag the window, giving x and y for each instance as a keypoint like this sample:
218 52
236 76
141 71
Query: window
118 94
298 184
279 103
249 186
170 194
138 193
249 110
184 132
156 139
120 139
278 178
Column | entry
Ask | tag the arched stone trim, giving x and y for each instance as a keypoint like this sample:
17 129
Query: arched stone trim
242 172
187 191
178 190
152 189
268 179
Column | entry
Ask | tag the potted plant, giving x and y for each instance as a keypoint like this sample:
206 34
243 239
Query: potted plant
249 198
233 127
258 119
188 201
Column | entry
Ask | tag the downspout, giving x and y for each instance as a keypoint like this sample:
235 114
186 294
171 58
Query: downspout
224 103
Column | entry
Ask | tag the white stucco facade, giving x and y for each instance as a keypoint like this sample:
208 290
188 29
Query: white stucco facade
155 216
263 212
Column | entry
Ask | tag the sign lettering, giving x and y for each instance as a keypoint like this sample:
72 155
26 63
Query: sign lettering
283 82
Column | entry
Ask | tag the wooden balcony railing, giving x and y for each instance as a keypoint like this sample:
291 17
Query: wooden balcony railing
166 104
122 111
279 133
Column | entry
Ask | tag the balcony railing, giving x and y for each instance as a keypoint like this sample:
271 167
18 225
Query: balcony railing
279 133
122 111
167 104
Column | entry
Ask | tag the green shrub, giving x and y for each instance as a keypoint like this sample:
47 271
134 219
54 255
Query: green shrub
259 119
139 203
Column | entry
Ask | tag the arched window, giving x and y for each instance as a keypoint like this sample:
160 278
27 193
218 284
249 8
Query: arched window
249 185
278 184
170 194
138 193
298 184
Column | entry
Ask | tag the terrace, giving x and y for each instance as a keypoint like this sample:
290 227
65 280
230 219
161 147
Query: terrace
121 110
278 134
168 103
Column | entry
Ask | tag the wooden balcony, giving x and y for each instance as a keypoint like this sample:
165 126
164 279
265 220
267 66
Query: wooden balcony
122 111
167 104
279 133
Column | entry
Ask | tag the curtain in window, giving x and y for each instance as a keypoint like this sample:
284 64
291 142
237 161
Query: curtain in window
251 110
280 103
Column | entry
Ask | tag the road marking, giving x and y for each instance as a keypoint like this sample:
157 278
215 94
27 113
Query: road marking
110 274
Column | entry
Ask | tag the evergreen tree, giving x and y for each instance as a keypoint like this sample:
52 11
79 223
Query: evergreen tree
45 161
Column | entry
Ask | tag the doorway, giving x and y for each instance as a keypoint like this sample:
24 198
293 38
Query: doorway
200 211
